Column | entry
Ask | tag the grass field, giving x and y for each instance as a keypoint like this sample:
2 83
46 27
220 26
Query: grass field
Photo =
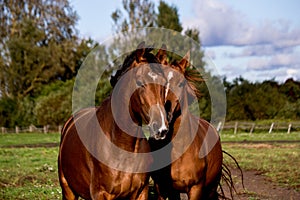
13 139
31 173
276 155
263 137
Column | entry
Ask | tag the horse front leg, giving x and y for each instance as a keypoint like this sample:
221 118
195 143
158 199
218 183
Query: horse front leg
143 195
196 192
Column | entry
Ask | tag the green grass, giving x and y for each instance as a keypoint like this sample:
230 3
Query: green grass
29 173
279 162
28 138
240 137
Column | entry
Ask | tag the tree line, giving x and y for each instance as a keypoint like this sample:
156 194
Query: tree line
41 53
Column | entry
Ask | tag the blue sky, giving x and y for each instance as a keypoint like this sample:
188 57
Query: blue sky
258 40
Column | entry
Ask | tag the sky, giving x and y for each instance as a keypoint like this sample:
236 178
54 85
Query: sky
256 39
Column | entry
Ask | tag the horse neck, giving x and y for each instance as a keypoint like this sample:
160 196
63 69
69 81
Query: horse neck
127 141
184 127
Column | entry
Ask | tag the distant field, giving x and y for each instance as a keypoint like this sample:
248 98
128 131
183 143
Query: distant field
242 137
13 139
31 173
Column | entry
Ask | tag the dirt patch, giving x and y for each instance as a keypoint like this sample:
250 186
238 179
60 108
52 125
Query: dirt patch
258 146
257 186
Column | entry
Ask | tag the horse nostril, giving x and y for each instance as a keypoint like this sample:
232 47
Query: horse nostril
155 127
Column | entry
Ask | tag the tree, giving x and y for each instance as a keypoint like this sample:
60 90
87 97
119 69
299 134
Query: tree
37 39
168 17
54 104
138 14
254 101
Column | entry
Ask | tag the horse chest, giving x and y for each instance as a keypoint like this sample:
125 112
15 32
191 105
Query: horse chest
185 173
122 184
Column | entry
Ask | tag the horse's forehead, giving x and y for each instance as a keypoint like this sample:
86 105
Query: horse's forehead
142 69
173 75
149 71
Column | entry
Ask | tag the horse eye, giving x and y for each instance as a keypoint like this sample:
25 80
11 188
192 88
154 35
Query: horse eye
139 83
181 84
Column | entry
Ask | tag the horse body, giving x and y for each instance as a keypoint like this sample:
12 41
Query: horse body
105 163
199 177
196 156
90 178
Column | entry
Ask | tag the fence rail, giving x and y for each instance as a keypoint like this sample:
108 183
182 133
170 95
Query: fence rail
240 126
236 126
32 128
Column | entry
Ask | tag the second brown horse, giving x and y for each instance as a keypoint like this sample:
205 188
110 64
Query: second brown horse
192 145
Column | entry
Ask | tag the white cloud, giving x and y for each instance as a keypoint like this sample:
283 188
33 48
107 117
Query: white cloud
261 50
211 54
220 24
257 50
290 61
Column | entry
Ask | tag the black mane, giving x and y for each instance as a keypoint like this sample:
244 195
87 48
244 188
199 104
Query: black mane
127 64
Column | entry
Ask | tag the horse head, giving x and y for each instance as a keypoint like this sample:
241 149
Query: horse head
180 89
147 99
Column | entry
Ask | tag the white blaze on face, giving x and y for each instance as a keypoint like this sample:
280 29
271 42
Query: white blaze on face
163 124
152 75
170 76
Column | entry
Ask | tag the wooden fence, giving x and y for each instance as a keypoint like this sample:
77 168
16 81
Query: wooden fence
32 128
236 126
251 127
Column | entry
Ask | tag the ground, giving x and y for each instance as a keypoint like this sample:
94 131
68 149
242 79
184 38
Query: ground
257 186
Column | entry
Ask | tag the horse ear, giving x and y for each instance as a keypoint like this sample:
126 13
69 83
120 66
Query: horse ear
162 55
140 51
185 61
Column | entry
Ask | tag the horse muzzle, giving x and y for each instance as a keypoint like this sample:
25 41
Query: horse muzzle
159 136
158 124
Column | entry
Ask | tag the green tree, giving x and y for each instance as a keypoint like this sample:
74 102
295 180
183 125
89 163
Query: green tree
37 39
254 101
136 14
291 89
168 17
7 108
54 104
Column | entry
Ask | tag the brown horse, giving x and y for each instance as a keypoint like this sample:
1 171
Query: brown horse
192 145
103 152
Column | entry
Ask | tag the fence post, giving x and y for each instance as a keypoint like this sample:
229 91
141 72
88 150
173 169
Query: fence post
271 127
45 129
289 128
219 126
31 128
252 128
3 130
17 129
235 127
59 128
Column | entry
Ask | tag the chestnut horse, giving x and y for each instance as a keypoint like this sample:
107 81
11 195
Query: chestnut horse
103 152
194 152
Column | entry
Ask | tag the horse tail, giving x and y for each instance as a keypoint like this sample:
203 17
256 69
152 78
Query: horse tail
226 178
